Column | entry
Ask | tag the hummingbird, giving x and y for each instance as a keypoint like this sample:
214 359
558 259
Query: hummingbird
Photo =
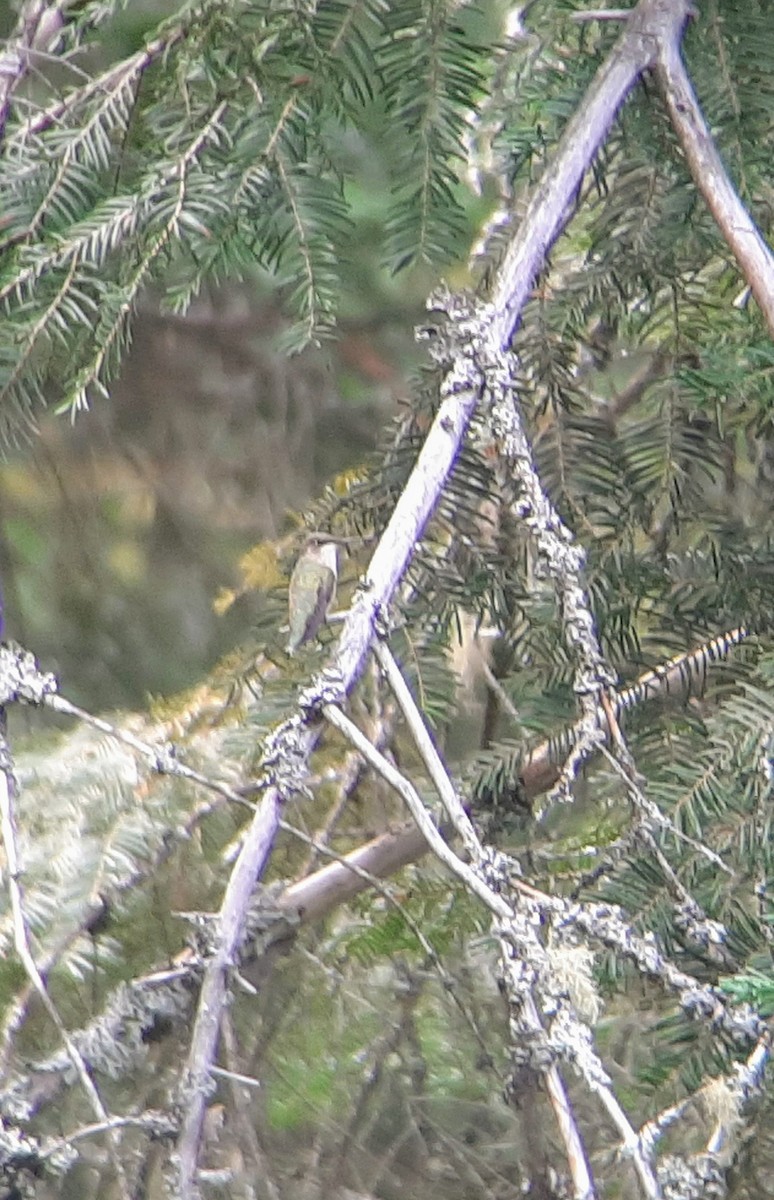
311 592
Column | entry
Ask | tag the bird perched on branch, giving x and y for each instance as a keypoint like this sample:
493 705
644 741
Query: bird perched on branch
311 592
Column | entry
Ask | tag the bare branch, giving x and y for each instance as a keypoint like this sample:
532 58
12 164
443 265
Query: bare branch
318 894
650 24
288 750
21 939
424 743
497 906
507 926
602 14
390 896
572 1031
37 27
737 226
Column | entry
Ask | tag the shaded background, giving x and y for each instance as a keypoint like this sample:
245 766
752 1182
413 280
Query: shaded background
118 531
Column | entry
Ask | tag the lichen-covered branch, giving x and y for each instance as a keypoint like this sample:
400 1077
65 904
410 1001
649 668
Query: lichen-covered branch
462 387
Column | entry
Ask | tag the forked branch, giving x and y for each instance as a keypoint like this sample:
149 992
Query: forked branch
476 336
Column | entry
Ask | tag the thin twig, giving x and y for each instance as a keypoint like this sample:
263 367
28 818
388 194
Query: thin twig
419 812
500 909
162 759
104 86
601 14
742 1081
247 1133
154 1123
491 327
21 680
494 685
38 25
235 1077
351 774
424 743
389 895
650 815
21 942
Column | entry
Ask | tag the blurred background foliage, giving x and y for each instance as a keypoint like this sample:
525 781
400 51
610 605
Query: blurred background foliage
119 528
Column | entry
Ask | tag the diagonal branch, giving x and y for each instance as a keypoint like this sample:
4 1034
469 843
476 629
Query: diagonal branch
678 678
492 326
166 996
311 898
38 25
473 876
24 950
522 1002
737 226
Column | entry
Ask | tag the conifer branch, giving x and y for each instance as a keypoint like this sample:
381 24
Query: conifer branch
110 85
26 957
177 177
117 1038
711 178
38 25
388 853
287 751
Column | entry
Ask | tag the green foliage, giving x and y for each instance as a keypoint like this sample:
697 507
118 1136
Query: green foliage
647 378
234 143
445 915
754 988
221 148
432 78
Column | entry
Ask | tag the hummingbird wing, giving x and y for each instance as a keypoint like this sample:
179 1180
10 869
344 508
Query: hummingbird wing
311 591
